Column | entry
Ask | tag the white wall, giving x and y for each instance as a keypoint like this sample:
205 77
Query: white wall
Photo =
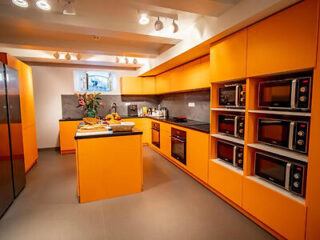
49 84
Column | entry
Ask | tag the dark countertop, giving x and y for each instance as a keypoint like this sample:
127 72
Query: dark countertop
113 134
191 124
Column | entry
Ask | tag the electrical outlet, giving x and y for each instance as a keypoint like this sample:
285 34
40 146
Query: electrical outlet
191 104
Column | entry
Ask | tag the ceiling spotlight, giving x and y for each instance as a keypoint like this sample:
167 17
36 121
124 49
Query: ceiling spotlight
144 19
21 3
174 27
56 55
158 25
117 60
43 5
69 9
126 60
68 56
78 56
135 61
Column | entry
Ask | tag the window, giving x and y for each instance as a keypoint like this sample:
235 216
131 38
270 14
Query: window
94 81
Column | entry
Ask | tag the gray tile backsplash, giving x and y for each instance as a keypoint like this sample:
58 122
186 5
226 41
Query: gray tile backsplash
177 104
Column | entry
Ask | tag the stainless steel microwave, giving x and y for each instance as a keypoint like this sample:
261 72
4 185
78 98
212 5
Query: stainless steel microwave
282 172
233 95
232 125
292 135
288 94
231 153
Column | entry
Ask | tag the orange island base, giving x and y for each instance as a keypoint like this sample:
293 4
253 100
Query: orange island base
109 164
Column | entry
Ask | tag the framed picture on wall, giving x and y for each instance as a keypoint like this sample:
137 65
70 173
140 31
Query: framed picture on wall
94 81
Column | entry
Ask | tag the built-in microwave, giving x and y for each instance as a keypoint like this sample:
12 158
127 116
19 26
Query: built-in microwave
282 172
231 153
233 95
288 94
232 125
292 135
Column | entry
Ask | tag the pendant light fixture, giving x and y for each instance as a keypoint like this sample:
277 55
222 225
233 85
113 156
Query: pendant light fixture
68 56
56 55
21 3
158 25
69 8
43 5
174 27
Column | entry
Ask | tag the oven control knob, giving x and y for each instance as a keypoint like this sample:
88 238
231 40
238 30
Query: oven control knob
241 130
303 89
297 176
300 142
296 184
302 98
241 124
240 155
301 133
239 162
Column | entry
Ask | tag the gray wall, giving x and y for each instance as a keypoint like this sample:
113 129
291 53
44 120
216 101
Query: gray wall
177 104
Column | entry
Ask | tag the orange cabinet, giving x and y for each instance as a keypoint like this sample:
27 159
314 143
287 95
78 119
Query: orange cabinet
198 154
165 142
137 85
275 208
226 179
286 41
144 125
163 83
228 57
67 132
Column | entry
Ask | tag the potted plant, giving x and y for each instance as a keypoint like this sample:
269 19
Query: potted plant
89 103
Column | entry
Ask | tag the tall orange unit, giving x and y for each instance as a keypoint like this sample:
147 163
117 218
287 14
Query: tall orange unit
27 109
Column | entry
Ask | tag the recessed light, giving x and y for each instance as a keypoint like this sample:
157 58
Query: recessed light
21 3
68 56
43 5
174 27
56 55
144 19
158 25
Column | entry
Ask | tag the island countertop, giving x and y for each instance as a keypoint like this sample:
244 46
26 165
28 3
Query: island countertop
106 133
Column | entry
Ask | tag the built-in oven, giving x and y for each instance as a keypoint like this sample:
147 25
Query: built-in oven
233 95
232 125
230 152
287 94
292 135
155 134
283 172
179 145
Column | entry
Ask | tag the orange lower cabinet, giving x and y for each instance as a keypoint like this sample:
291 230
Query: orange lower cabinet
198 154
67 132
226 179
143 125
165 142
278 209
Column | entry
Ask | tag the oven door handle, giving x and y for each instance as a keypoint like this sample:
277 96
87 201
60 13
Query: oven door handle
293 93
291 135
287 180
236 119
237 96
178 139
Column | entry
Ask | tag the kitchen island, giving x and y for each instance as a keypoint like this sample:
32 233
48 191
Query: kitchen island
109 164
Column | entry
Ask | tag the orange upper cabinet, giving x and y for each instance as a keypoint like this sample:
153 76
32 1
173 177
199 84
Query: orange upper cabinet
148 85
137 85
131 85
163 83
285 41
228 57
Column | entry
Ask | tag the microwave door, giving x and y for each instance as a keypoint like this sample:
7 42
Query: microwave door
275 132
227 124
277 94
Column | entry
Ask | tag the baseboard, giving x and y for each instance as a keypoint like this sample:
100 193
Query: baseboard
230 202
50 148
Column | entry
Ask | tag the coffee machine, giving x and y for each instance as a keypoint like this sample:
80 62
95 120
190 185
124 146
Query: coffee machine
132 110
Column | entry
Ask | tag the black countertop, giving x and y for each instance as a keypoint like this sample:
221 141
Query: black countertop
191 124
113 134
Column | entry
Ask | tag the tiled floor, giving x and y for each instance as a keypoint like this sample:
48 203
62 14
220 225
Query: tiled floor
173 206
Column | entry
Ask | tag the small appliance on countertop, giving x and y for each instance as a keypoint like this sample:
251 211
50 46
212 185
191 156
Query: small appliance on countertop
132 110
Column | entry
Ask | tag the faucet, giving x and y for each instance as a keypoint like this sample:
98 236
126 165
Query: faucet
113 108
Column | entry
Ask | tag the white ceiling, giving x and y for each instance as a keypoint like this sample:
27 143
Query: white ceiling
115 22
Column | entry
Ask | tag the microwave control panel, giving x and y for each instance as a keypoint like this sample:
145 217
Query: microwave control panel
303 93
239 157
296 181
301 138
